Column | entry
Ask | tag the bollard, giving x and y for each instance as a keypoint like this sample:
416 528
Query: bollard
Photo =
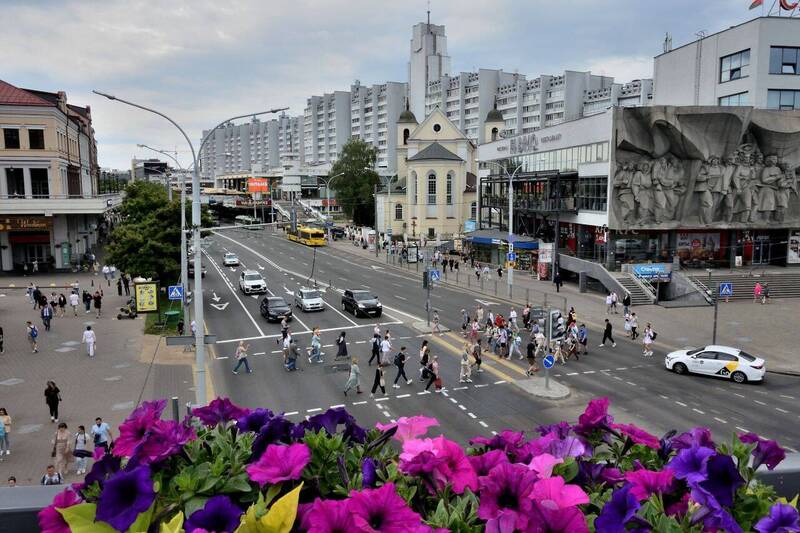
545 300
189 408
176 410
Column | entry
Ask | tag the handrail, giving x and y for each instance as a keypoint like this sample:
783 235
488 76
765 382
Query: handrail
58 196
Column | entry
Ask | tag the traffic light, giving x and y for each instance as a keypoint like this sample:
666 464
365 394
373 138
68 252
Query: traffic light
557 326
425 279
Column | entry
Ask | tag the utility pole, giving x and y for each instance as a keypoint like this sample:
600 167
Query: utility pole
557 237
376 219
716 313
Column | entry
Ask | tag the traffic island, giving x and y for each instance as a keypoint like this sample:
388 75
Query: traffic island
535 386
423 327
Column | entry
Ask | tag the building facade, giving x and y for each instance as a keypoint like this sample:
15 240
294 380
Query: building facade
755 63
326 127
374 113
428 62
51 209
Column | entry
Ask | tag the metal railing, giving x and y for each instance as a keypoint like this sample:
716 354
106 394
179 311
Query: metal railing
59 196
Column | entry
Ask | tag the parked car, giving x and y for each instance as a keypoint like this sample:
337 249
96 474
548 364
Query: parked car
308 300
251 282
361 302
230 259
275 308
720 361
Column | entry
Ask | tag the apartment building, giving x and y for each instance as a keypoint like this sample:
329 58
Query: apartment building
632 94
51 209
374 112
326 126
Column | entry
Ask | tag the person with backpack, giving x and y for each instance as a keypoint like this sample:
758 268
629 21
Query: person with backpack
376 349
634 323
400 362
87 301
476 354
583 339
32 334
81 450
386 348
531 357
433 373
648 338
51 477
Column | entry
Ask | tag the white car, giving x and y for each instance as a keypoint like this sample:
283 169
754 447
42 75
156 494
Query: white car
308 300
251 282
230 259
720 361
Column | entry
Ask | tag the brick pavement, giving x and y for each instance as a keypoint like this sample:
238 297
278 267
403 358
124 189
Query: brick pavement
107 386
761 330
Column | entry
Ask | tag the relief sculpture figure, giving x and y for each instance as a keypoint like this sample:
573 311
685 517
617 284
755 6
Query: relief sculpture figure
743 183
663 191
727 194
787 185
710 172
768 188
642 187
622 182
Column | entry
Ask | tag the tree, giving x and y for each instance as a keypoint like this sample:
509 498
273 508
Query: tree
355 187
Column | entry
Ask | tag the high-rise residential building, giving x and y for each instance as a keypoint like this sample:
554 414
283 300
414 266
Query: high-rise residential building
290 139
326 126
755 63
374 112
428 62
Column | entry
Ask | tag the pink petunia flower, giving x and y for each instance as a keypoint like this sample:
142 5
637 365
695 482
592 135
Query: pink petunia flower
638 435
50 520
505 496
382 510
542 465
280 463
443 459
555 506
410 427
134 430
647 482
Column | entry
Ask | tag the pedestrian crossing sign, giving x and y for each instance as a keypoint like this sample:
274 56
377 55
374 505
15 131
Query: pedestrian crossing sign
175 292
435 275
726 288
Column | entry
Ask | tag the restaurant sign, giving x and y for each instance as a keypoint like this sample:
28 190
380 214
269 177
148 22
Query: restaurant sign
26 223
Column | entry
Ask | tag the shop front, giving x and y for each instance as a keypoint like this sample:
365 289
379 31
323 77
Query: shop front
490 246
25 241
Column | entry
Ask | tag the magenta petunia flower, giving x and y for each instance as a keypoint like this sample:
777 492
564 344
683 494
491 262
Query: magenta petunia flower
542 465
766 452
219 411
506 491
555 506
134 430
648 482
484 463
329 516
511 442
443 459
50 520
165 439
280 463
638 435
382 510
595 417
695 437
411 427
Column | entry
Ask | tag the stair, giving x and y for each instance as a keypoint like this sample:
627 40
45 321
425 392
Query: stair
639 296
781 285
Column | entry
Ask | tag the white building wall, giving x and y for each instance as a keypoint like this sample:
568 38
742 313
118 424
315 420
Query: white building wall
428 61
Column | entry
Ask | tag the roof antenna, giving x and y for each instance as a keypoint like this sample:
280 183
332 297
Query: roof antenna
429 12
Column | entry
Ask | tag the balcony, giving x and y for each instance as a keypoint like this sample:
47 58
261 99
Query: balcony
59 204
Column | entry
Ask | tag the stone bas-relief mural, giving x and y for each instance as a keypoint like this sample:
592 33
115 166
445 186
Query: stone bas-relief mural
705 167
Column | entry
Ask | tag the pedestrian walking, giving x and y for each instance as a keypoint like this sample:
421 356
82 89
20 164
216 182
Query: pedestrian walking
75 287
51 477
485 271
478 273
284 330
106 272
47 316
81 450
32 333
757 289
557 280
291 356
436 328
465 371
634 326
119 287
62 305
37 296
609 302
5 429
626 303
98 302
499 273
648 338
479 313
400 362
126 284
179 327
375 354
29 293
434 377
315 355
87 301
465 323
526 316
386 348
515 346
74 301
583 339
607 335
502 340
52 397
353 380
341 345
90 340
424 360
627 325
379 380
530 355
241 358
474 330
101 434
62 449
614 299
35 266
765 294
477 356
512 318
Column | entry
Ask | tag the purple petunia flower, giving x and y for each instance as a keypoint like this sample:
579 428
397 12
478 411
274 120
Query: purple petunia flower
484 463
50 520
124 496
330 421
567 447
695 437
767 452
369 474
511 442
329 516
782 518
280 463
165 439
691 463
102 469
723 479
711 515
595 417
382 510
617 511
134 430
254 420
561 429
507 490
647 482
219 513
277 429
219 411
638 435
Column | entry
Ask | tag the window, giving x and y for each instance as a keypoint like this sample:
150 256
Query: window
431 233
783 100
473 210
783 60
398 212
36 139
11 138
449 189
15 182
437 128
734 99
431 188
734 66
40 183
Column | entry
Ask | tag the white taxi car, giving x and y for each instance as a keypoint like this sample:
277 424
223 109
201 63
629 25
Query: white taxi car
230 259
309 300
720 361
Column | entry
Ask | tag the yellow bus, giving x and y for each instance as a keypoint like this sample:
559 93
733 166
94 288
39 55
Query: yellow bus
307 235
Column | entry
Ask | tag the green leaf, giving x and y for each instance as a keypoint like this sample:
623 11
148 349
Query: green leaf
80 519
281 516
237 483
173 526
142 522
196 503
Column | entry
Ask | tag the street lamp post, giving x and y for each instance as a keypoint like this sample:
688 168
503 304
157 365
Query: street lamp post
200 356
510 276
327 181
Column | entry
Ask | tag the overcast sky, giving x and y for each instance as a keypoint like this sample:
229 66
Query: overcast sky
203 61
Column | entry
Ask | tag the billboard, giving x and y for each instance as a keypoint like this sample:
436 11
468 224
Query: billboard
258 185
146 297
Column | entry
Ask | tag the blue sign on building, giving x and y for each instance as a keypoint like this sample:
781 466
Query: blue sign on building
653 271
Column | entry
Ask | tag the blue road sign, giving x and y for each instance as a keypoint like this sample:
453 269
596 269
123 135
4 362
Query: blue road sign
511 256
549 361
175 292
726 288
435 275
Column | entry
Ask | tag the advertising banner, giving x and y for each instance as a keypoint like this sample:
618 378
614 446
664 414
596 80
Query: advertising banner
654 271
146 297
258 185
793 256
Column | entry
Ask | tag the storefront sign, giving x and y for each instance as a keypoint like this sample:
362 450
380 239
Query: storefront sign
26 223
258 184
697 245
469 225
524 144
793 254
146 297
654 271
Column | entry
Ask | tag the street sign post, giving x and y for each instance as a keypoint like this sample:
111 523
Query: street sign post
548 362
725 288
511 256
436 275
175 292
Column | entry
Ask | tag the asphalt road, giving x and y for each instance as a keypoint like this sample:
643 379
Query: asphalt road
640 389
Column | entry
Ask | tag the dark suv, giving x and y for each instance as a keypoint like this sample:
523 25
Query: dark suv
274 308
361 302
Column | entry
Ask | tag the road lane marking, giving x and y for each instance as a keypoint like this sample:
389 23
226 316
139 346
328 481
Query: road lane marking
631 383
337 406
499 382
698 411
400 298
742 429
721 421
386 414
314 410
681 404
787 397
291 413
402 396
382 399
782 410
572 373
589 372
482 423
307 332
471 415
759 402
230 287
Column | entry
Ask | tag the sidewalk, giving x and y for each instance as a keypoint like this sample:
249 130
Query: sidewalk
107 386
761 330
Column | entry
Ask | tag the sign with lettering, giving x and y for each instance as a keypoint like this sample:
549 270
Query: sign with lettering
258 184
524 144
146 297
26 223
654 271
